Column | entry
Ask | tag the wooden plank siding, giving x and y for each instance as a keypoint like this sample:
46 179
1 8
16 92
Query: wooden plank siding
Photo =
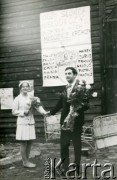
110 4
20 55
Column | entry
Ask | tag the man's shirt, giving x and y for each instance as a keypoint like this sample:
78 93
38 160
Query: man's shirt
70 87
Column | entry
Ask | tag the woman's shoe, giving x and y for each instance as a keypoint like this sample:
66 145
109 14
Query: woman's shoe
29 165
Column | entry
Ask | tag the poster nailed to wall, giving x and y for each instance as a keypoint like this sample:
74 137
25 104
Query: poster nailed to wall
55 61
65 27
6 98
66 41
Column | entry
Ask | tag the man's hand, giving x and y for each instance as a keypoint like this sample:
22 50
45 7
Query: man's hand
85 106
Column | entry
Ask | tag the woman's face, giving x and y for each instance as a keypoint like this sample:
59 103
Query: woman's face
25 87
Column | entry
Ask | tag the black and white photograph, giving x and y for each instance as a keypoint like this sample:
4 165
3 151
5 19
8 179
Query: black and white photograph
58 89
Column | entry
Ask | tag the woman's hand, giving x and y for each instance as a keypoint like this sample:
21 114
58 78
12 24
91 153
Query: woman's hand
46 113
26 112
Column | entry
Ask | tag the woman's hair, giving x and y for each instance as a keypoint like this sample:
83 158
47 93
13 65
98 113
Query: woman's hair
21 84
73 70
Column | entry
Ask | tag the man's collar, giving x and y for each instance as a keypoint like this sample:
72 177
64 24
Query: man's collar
71 84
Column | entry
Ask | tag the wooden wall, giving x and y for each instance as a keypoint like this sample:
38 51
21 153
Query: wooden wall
20 55
109 4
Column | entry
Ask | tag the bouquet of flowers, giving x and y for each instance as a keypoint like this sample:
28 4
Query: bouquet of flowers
35 101
78 98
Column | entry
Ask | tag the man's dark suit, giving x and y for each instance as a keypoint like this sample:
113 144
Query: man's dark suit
67 135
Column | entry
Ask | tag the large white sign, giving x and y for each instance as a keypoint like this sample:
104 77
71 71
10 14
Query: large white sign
66 41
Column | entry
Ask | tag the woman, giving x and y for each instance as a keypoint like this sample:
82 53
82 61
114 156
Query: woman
23 108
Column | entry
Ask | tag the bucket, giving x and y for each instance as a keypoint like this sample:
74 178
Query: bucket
105 130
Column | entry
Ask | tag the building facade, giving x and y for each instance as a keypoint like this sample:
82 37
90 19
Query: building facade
20 55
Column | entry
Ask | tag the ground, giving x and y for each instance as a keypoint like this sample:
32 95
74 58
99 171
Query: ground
15 170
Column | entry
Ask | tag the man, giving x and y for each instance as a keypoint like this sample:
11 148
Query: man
67 135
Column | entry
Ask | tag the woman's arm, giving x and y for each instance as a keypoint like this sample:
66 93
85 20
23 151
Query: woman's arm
15 109
38 106
41 110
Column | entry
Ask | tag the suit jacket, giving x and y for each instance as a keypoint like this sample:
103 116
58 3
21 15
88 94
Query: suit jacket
65 106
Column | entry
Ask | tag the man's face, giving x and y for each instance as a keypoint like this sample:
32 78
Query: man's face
69 76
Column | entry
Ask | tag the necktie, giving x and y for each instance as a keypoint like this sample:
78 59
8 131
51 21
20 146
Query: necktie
69 89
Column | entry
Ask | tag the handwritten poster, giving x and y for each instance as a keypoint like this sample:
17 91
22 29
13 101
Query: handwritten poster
55 62
66 41
6 98
65 27
84 63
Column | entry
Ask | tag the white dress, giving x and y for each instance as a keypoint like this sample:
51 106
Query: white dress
25 124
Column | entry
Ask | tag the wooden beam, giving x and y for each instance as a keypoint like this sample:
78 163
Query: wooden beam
102 20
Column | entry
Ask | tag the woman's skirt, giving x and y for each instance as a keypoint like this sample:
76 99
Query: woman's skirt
25 132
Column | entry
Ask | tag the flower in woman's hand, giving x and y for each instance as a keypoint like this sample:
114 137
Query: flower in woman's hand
37 100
